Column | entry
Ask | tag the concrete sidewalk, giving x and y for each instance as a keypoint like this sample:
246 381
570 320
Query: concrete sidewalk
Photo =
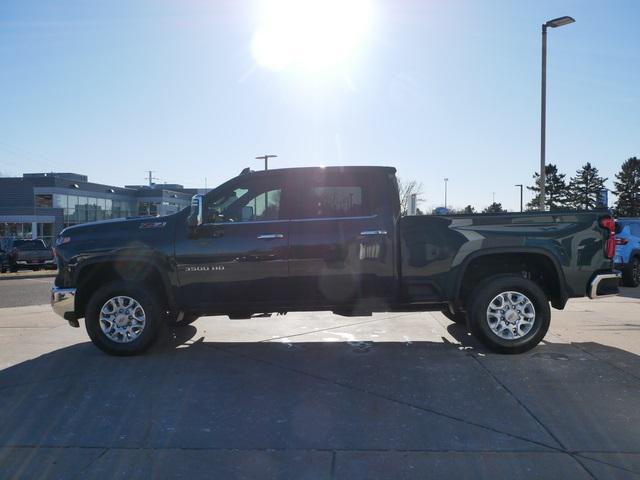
319 396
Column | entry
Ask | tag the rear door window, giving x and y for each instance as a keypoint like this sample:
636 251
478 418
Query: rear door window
329 195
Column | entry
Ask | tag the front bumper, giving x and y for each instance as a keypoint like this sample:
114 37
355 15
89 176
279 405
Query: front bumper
63 303
604 284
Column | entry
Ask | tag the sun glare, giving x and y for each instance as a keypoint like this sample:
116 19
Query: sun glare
313 34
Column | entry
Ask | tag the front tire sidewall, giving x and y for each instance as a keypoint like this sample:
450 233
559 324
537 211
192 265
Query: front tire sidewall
478 314
150 306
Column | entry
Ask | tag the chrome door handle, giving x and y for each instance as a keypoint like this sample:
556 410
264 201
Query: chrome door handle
371 233
270 236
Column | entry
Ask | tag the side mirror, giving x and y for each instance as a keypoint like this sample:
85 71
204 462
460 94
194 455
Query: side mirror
196 217
247 214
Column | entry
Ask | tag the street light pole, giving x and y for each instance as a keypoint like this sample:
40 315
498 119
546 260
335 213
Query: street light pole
266 160
445 192
543 117
556 22
520 185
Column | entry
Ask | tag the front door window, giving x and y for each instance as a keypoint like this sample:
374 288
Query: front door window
256 200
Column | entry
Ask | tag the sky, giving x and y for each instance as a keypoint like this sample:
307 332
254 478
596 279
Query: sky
195 89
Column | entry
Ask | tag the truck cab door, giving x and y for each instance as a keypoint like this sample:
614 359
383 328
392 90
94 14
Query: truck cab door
341 246
237 259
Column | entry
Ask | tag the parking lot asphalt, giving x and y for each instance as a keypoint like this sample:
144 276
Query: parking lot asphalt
318 396
21 292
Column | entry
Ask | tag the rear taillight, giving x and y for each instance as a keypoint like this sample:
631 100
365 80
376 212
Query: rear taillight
621 241
609 223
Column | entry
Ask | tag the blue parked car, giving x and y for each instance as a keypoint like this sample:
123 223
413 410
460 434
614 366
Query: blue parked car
627 258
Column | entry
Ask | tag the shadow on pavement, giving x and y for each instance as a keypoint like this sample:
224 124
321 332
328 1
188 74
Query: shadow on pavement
629 292
322 410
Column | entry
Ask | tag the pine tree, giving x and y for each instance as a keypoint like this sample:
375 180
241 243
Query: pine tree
495 207
585 188
555 190
628 189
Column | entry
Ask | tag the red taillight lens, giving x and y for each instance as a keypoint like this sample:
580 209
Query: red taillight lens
621 241
610 245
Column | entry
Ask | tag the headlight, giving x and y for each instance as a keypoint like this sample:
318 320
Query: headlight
62 240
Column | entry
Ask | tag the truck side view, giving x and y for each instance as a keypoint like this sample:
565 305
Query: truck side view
308 239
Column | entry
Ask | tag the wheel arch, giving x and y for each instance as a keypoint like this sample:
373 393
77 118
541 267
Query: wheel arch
97 272
505 261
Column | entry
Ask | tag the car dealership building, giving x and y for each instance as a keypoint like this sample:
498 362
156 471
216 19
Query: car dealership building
40 205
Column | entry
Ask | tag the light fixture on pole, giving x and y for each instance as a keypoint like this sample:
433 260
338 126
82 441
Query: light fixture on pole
556 22
266 160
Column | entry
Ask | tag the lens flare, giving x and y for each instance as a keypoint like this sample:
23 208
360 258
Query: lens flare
313 34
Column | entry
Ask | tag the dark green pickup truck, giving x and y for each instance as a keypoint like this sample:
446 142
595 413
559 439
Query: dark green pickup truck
305 239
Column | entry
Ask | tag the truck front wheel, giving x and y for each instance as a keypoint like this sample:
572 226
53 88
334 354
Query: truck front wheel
123 318
509 314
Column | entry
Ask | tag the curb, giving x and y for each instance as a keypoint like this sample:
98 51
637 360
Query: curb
13 276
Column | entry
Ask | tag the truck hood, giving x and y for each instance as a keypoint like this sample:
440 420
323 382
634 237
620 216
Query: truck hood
130 228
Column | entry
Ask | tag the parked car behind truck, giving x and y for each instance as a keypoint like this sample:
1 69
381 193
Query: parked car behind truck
627 258
28 254
306 239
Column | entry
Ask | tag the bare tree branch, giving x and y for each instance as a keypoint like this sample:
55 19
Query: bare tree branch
406 189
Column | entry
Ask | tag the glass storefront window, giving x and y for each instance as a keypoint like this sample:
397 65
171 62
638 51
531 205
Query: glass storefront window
24 230
70 213
59 201
100 208
92 203
44 201
45 231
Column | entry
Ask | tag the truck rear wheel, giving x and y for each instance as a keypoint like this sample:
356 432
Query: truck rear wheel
123 318
509 314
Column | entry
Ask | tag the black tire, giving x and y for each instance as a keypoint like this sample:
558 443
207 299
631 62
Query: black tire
481 299
13 268
458 317
148 302
631 273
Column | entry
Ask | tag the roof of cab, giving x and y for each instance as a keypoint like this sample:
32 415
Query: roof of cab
344 169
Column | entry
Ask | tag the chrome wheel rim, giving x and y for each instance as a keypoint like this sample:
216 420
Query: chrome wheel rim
122 319
511 315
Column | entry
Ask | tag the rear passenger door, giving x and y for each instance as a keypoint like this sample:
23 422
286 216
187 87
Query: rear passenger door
340 250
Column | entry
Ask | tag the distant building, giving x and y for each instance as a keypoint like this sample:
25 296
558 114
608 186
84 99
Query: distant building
40 205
